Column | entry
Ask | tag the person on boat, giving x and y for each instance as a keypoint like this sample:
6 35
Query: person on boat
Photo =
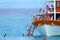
52 8
47 8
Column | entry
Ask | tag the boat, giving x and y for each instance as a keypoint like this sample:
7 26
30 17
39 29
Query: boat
49 27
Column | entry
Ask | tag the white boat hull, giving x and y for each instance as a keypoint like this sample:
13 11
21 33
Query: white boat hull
49 30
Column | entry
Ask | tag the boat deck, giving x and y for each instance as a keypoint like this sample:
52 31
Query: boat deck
45 21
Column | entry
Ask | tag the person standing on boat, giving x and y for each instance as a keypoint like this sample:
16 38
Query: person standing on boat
47 8
52 8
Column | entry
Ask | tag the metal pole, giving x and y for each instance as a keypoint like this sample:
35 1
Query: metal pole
54 9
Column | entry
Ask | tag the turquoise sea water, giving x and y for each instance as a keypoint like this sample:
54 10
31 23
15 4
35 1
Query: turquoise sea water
30 38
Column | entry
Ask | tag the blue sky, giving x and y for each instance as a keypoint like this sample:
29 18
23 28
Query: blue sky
21 3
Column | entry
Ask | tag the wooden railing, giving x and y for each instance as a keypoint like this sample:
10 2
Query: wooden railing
47 22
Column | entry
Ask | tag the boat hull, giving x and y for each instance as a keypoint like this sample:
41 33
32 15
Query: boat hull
48 30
